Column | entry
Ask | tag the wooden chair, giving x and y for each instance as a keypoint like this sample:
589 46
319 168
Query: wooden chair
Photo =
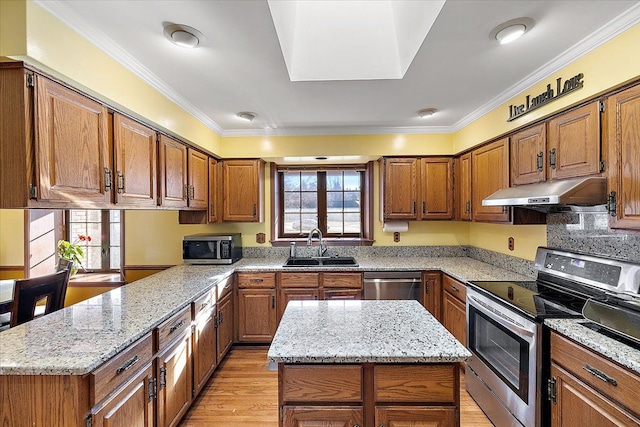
27 293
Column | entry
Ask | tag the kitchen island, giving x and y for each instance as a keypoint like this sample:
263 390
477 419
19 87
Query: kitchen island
366 363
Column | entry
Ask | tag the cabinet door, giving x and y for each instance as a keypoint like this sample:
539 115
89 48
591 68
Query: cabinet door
325 416
454 317
432 299
256 315
490 174
436 194
131 406
463 184
204 348
242 183
578 405
173 173
135 160
174 381
293 294
574 143
198 165
341 294
215 191
225 325
623 110
528 155
71 146
399 188
416 416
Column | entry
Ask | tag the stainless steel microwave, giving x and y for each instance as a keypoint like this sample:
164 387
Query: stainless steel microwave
212 248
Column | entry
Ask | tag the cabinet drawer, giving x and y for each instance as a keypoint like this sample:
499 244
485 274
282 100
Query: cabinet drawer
455 288
172 328
204 303
224 287
590 367
416 383
256 280
312 383
299 280
342 280
120 368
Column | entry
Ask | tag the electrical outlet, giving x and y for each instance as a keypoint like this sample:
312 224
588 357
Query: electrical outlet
396 236
511 243
260 238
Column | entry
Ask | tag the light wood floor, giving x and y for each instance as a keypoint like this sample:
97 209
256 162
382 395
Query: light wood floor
244 393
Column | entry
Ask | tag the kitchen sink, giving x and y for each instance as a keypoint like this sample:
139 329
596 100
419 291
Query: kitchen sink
327 262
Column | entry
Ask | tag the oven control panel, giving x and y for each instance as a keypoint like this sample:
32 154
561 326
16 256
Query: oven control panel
592 270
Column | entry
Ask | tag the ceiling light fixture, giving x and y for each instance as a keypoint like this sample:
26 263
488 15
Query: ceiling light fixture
426 112
511 30
247 115
183 35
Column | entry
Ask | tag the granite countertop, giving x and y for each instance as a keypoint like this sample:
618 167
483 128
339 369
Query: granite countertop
362 331
79 338
618 352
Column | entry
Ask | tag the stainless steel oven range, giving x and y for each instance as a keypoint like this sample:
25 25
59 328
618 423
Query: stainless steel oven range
507 374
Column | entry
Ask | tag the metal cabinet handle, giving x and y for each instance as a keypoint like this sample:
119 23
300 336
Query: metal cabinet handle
601 375
127 365
414 207
424 207
120 182
108 182
203 305
175 326
256 280
552 158
255 209
185 195
273 302
468 207
212 211
454 288
540 161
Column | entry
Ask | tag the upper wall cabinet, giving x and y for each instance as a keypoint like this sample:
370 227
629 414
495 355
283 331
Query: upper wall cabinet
198 182
135 163
417 189
490 171
623 110
215 191
527 155
243 184
173 173
463 187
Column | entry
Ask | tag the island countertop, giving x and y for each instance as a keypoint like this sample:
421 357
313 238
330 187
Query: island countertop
362 332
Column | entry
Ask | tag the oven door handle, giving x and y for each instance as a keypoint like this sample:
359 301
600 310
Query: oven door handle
500 318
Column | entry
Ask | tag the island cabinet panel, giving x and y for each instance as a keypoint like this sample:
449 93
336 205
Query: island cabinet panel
528 154
325 416
224 326
432 298
131 406
173 173
134 163
175 376
463 187
623 112
436 192
256 315
309 383
490 173
71 145
399 188
243 189
412 416
574 143
415 383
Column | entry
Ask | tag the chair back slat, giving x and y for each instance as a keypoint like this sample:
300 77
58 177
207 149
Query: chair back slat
27 292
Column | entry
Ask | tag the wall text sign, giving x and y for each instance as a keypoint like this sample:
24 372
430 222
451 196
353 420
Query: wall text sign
533 102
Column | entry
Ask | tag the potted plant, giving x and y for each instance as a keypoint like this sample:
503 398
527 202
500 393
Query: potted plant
73 251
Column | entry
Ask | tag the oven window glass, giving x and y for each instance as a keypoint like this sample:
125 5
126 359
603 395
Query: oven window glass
506 353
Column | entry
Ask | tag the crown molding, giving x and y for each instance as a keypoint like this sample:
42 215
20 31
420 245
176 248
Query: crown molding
608 31
346 130
77 23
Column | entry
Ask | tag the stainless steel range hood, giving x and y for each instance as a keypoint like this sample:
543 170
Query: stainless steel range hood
577 194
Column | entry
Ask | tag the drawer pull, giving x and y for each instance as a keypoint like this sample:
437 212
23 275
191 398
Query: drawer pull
256 280
128 364
604 377
454 288
204 305
176 326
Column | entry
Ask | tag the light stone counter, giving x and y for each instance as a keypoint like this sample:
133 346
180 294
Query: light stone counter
78 339
362 331
618 352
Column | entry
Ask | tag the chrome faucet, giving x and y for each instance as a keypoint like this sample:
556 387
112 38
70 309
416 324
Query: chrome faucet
322 247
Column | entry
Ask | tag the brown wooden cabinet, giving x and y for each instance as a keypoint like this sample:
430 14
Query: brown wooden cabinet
333 416
623 117
198 182
215 191
224 326
243 189
173 173
490 173
418 416
463 187
340 286
294 294
293 286
134 163
256 307
204 340
528 149
432 298
454 310
588 389
436 191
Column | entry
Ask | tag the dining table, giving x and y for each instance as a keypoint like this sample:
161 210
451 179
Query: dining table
6 295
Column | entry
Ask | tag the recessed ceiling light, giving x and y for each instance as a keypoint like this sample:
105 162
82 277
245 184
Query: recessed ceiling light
246 115
183 35
321 158
426 112
511 30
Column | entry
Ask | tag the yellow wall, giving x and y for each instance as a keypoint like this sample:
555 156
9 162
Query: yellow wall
13 29
11 237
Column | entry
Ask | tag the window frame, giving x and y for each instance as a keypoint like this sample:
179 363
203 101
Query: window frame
278 238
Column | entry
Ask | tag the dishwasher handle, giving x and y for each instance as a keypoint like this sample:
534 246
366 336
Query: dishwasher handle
391 280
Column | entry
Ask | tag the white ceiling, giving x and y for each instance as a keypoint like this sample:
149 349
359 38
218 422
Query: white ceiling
458 69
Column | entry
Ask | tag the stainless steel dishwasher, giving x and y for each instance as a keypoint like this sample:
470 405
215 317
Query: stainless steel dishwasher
392 285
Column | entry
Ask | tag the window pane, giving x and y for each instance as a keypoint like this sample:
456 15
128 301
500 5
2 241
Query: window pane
93 258
309 181
292 202
352 202
309 202
309 222
352 181
291 223
334 181
334 201
114 216
115 234
94 230
352 223
114 262
94 216
292 181
334 223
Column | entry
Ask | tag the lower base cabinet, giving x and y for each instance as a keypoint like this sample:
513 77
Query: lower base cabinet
174 381
204 348
330 416
422 416
224 325
256 315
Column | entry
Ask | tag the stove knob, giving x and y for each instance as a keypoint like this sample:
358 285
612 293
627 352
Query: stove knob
549 265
